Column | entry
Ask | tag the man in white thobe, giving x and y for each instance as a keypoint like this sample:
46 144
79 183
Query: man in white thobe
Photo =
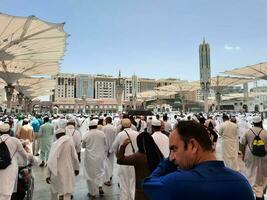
255 167
94 142
229 135
126 173
83 125
167 125
75 135
63 166
8 176
110 133
61 122
160 139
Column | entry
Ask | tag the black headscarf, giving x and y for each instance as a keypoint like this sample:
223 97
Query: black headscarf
147 145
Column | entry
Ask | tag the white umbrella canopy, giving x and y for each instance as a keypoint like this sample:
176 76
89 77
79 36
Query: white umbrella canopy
221 82
29 38
258 71
11 71
34 84
229 81
39 93
179 87
154 94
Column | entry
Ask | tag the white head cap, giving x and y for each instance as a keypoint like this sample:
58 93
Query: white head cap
60 130
155 122
93 122
4 127
256 119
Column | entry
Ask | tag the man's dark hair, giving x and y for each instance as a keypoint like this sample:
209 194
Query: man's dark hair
25 122
92 127
157 116
100 122
201 120
259 124
108 120
191 129
165 117
225 117
46 119
125 116
71 123
156 128
59 135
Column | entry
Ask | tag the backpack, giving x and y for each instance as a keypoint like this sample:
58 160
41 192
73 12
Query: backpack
258 145
5 158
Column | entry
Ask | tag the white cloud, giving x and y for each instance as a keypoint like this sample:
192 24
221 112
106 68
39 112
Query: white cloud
231 48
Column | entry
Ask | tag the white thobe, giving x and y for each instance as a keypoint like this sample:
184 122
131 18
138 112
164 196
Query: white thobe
126 173
167 126
255 167
61 164
110 133
76 137
228 132
94 142
83 125
162 142
61 123
8 176
54 123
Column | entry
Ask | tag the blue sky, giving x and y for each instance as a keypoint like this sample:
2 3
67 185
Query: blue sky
153 38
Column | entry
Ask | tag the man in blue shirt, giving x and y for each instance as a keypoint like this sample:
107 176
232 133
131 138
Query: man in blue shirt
36 124
200 175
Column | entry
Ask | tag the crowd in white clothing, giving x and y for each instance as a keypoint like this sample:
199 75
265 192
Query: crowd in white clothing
101 136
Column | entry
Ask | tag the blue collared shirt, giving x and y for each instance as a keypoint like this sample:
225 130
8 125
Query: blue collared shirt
209 180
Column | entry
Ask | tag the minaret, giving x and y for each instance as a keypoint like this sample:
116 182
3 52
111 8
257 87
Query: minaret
134 90
119 91
204 65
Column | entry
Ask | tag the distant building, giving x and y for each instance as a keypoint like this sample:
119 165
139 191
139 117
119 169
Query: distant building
105 87
259 89
84 86
147 84
65 87
200 95
169 81
131 87
232 89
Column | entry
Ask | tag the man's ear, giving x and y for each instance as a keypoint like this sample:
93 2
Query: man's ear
193 145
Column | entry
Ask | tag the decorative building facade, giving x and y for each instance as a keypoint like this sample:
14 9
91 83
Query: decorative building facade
105 87
65 87
85 86
147 84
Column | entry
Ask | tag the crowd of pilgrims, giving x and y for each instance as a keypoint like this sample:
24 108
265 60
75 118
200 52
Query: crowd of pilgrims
137 144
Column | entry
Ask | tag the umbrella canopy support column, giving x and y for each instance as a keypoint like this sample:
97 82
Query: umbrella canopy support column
218 100
9 93
27 102
206 105
20 98
183 103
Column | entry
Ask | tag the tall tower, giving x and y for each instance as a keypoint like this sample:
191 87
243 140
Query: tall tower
134 90
204 66
119 91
